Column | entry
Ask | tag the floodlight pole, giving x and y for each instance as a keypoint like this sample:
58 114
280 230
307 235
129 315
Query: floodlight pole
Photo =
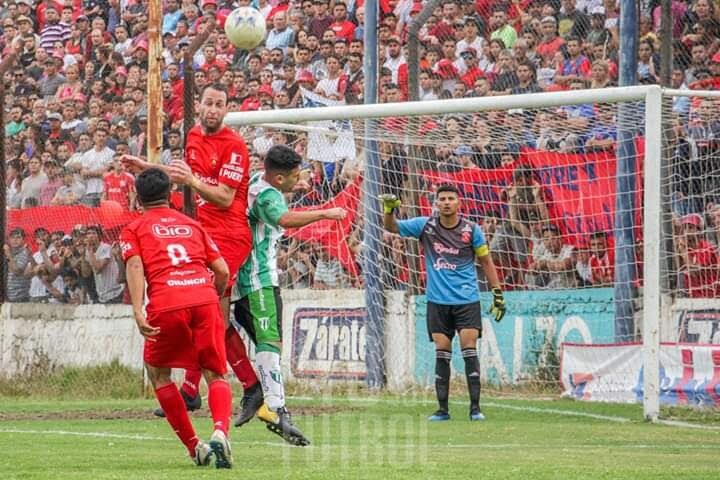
155 113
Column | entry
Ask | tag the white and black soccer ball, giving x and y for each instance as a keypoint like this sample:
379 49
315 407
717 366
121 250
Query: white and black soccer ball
245 28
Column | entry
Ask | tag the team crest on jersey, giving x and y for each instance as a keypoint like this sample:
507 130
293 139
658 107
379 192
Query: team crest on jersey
466 233
172 231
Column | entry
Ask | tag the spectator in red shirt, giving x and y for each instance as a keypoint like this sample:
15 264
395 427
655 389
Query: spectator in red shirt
602 260
472 71
119 186
551 42
698 259
341 26
210 54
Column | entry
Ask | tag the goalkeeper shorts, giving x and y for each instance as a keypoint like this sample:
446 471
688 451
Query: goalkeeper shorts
447 319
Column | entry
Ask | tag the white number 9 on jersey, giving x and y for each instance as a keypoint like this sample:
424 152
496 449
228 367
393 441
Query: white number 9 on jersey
177 253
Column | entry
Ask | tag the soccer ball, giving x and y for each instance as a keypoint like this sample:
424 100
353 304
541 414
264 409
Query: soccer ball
245 28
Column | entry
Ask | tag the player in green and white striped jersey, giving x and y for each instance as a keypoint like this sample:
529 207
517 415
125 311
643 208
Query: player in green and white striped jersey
259 307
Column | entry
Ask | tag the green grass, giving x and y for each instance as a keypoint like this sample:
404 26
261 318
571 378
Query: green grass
377 438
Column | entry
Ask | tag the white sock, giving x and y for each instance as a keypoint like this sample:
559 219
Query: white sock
268 365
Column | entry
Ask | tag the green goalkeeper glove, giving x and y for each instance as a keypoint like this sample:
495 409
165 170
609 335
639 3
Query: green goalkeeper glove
390 202
498 306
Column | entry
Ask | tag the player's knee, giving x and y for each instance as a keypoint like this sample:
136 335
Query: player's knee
211 376
159 377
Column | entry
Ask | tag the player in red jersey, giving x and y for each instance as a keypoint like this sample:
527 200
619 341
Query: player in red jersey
217 169
182 324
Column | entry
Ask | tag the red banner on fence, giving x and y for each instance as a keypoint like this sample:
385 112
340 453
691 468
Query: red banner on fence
579 188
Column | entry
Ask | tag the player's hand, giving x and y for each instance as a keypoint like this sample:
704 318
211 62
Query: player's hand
146 330
133 164
180 172
336 213
390 202
498 305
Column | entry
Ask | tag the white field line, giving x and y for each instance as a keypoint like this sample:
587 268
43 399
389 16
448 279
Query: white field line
409 445
552 411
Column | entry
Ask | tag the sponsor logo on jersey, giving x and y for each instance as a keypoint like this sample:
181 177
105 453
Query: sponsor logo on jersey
466 233
235 157
440 249
442 264
125 247
233 172
172 231
190 282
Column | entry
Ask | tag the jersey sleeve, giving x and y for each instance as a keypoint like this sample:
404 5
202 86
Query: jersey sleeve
236 164
479 243
412 227
212 252
129 244
270 206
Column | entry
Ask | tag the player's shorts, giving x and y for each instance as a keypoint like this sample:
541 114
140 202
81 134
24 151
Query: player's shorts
189 338
447 319
235 252
260 314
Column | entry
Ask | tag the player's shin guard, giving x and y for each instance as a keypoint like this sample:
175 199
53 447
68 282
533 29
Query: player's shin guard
220 403
442 377
238 359
268 363
174 407
472 374
191 385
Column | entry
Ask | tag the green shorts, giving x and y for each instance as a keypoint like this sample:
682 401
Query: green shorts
260 314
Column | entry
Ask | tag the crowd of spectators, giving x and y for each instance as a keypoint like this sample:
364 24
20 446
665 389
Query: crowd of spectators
76 101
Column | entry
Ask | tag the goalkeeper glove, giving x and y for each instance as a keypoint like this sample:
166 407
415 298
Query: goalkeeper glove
498 305
390 202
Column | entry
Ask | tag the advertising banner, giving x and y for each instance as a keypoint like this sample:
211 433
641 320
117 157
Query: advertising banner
689 373
328 343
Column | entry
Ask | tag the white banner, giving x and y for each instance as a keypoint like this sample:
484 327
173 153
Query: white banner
689 374
338 143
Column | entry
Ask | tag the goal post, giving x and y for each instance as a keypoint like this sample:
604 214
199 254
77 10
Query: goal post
528 347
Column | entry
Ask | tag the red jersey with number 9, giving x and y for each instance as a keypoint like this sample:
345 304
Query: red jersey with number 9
175 253
221 157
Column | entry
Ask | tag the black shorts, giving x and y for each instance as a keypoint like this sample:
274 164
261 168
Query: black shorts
447 319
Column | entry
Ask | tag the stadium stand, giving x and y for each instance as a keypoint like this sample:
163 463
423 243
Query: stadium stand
75 101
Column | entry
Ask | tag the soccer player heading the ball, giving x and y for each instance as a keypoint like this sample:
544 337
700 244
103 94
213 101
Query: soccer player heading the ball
451 244
259 310
182 324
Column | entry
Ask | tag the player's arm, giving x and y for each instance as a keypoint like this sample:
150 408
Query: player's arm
222 274
221 194
300 219
390 203
482 253
136 287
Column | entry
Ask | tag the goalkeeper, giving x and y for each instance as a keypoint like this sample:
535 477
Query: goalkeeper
259 307
451 244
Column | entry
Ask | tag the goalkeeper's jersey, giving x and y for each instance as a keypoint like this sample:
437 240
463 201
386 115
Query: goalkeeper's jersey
266 205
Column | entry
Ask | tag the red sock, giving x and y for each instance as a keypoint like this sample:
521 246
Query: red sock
238 359
174 407
191 385
220 403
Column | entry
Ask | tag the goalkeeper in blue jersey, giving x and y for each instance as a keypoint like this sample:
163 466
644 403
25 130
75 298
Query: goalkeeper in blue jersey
259 308
451 245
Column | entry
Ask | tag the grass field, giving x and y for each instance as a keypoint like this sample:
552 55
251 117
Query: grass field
373 438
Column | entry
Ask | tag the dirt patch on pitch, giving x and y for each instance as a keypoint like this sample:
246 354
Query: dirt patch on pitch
147 414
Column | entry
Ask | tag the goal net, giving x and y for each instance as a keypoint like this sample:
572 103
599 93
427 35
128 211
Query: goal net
601 213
